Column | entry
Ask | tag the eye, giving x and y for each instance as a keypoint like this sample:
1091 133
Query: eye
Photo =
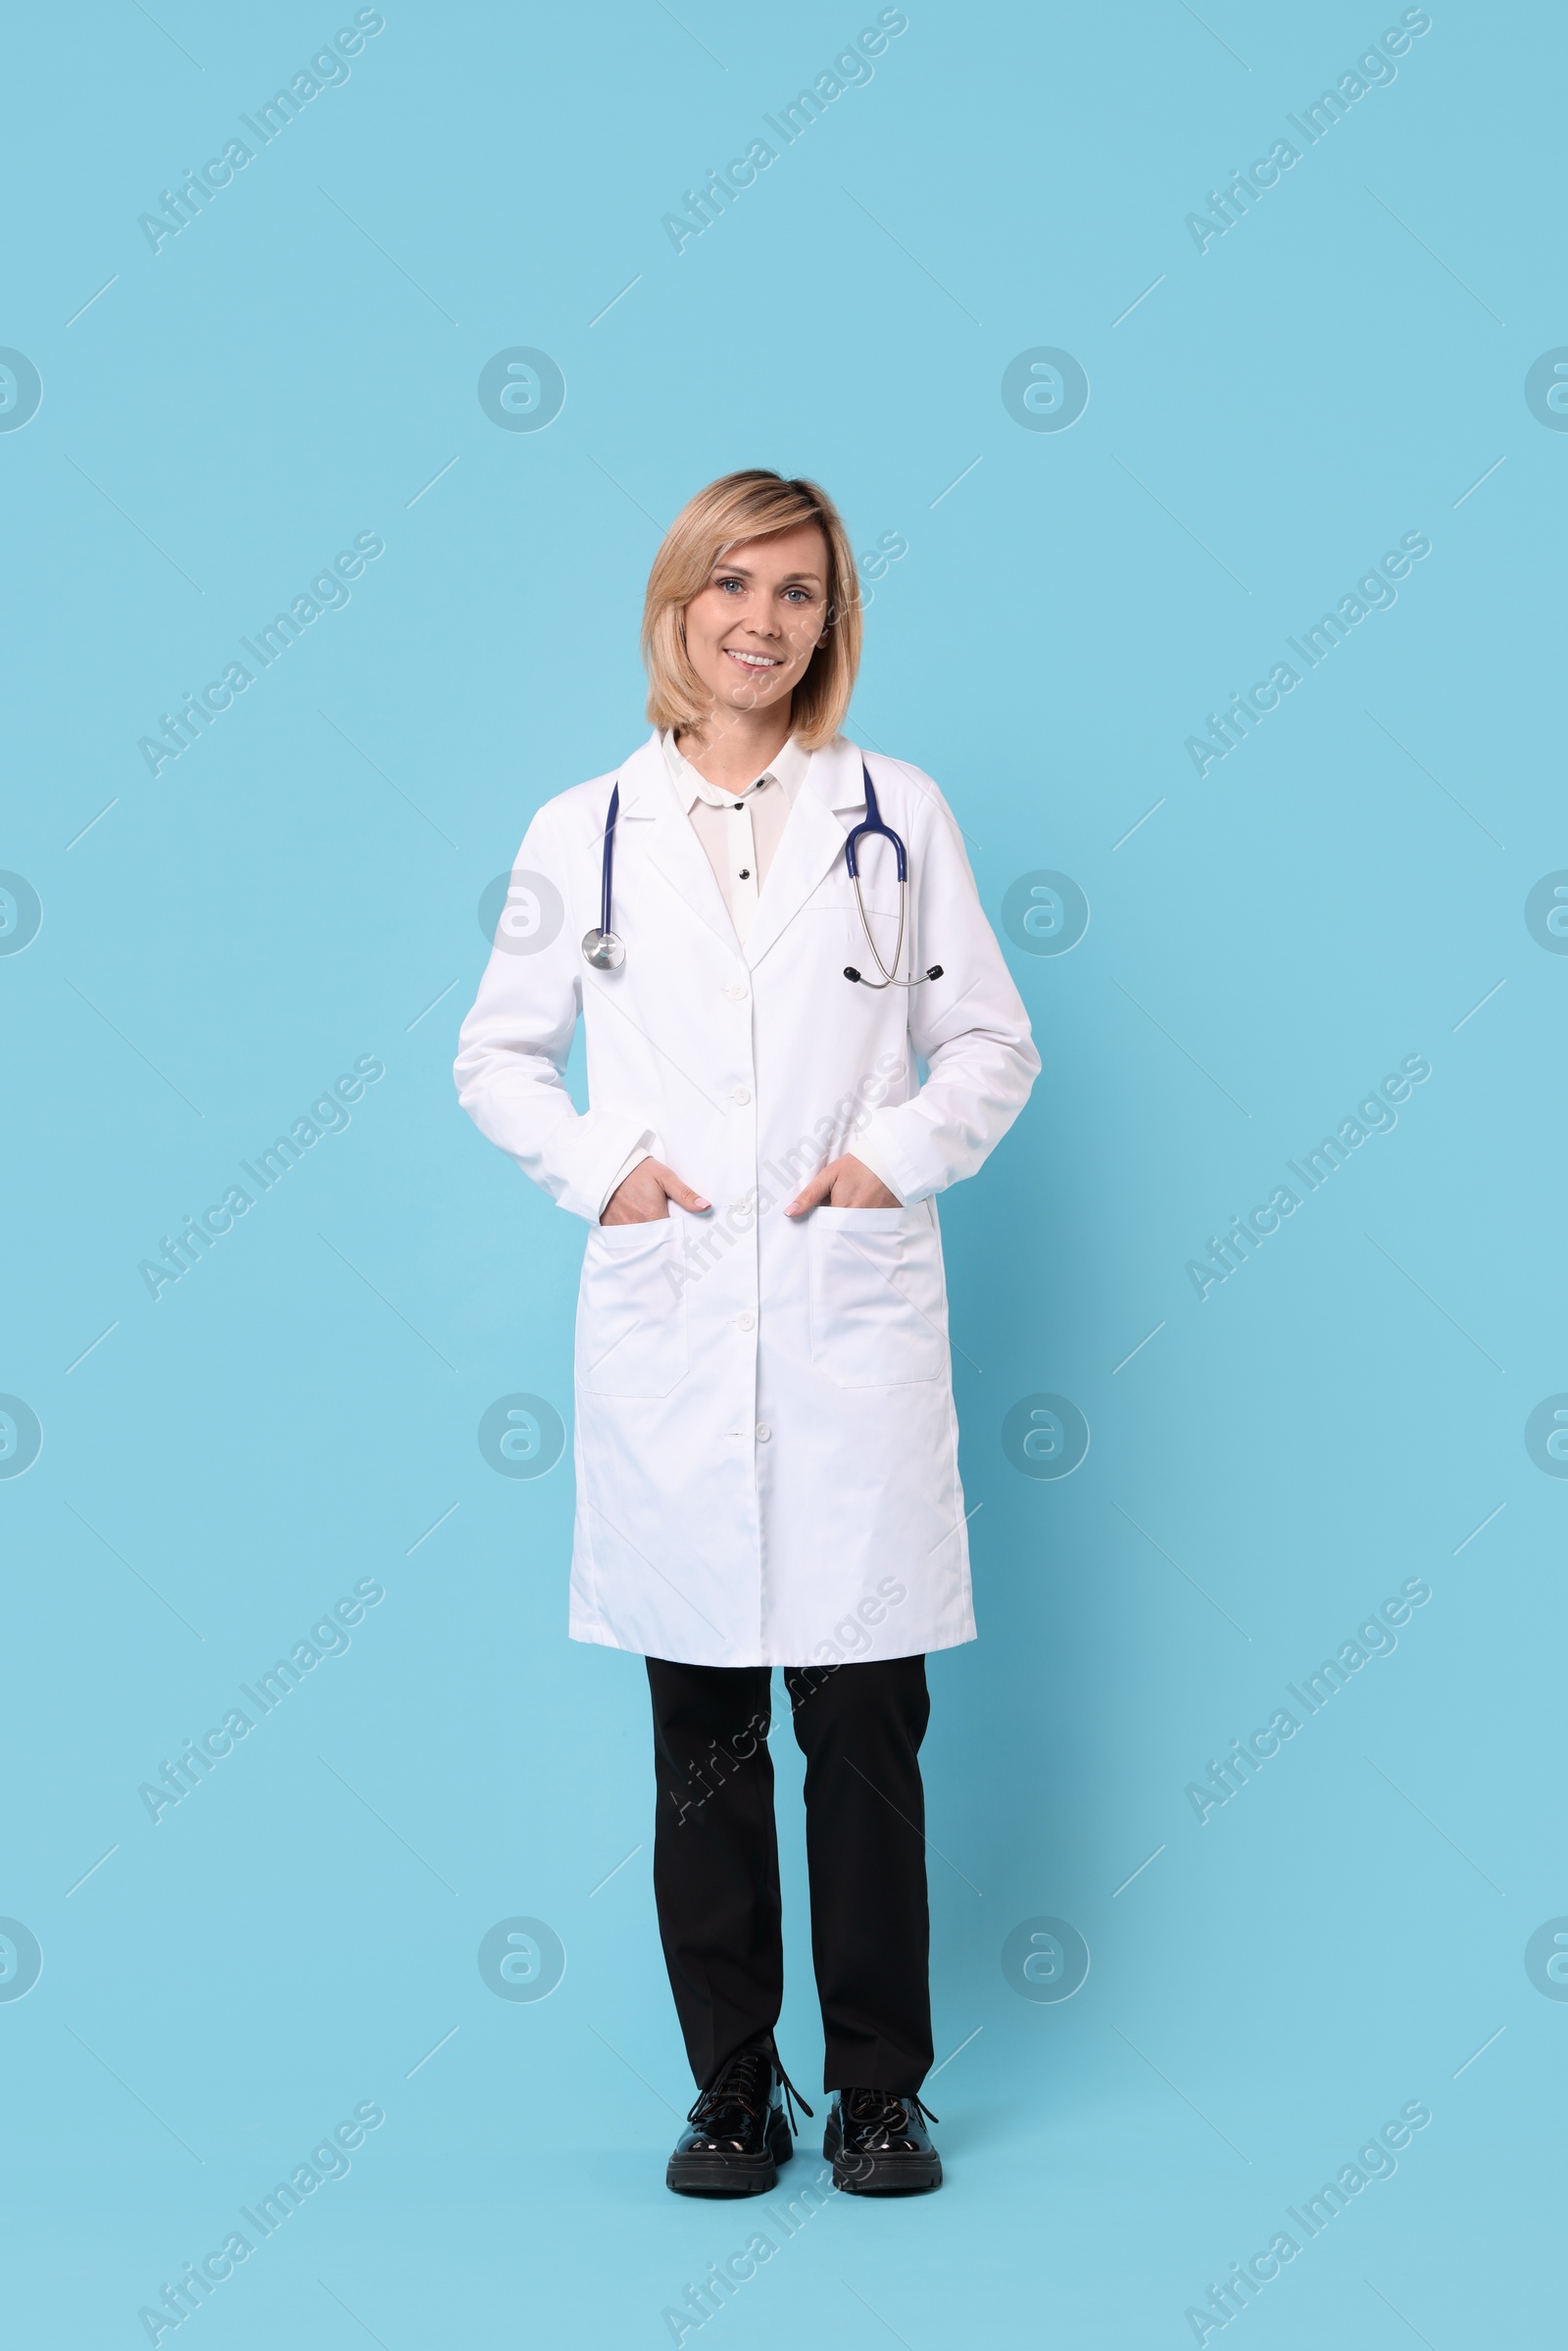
728 582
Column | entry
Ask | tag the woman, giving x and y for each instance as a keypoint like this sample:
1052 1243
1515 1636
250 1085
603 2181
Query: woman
765 1448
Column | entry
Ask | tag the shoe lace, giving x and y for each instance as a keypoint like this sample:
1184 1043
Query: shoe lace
743 2082
881 2105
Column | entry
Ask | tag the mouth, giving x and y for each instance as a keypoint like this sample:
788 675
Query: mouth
755 664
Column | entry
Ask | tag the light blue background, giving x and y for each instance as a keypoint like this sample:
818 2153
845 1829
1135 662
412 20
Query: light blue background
297 889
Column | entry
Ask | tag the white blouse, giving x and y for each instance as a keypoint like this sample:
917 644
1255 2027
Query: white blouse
739 830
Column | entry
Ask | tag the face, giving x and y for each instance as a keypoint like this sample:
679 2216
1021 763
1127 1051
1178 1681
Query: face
752 631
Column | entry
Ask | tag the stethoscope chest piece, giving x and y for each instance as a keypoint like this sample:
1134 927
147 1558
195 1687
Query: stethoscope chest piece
603 949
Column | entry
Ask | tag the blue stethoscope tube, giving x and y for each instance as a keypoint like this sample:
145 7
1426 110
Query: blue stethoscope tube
852 858
601 947
605 952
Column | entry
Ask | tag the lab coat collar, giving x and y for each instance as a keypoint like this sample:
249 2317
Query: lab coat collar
839 775
655 814
645 782
653 820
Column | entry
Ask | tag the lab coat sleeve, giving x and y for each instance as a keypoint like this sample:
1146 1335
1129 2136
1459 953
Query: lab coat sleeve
512 1051
969 1027
633 1158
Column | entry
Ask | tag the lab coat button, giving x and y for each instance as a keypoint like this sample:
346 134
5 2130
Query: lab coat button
748 1322
763 1433
741 1095
736 992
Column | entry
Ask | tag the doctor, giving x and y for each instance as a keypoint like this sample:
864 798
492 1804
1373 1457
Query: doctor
766 1449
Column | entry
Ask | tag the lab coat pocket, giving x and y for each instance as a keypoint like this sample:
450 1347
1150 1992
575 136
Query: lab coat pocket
879 1313
631 1309
846 932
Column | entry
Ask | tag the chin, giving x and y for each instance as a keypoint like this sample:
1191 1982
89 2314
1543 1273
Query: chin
741 694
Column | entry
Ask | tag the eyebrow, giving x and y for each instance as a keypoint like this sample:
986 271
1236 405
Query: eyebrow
790 579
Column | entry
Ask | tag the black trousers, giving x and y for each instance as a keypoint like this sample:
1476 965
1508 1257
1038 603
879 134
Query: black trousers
715 1861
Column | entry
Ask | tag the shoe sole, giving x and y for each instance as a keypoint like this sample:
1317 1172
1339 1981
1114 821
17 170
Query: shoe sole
700 2175
887 2175
881 2174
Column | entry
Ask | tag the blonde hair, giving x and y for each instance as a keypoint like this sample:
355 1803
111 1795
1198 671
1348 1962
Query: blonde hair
754 505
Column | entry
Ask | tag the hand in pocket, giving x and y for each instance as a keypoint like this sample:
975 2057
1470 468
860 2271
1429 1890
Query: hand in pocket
644 1196
846 1182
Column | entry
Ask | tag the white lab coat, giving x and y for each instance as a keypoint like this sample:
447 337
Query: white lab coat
766 1442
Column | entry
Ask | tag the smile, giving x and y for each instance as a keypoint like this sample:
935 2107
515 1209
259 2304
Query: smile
753 661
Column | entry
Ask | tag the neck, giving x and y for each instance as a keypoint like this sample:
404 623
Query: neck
732 747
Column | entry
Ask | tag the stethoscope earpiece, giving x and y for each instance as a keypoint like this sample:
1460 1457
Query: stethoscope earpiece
873 825
849 973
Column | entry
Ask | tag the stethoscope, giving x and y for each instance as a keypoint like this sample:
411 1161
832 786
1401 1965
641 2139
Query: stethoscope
605 950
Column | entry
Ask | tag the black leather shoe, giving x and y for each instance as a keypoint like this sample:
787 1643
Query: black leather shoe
878 2143
737 2133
